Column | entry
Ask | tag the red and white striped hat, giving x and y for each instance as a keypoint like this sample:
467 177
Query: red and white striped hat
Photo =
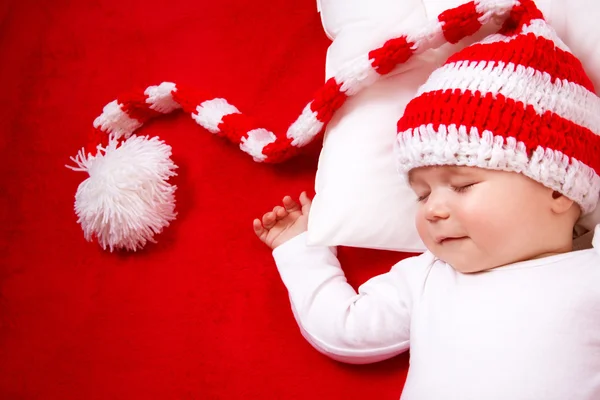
518 100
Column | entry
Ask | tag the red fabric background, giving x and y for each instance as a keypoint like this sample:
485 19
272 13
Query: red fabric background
202 314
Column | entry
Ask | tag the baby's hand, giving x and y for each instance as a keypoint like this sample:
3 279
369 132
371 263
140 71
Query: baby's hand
283 223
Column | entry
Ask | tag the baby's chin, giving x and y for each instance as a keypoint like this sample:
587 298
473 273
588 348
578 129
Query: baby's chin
470 267
462 257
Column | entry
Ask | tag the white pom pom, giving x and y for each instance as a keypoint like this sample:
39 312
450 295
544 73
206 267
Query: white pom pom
126 200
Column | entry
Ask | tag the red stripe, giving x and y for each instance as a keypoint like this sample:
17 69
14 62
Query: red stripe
235 126
188 98
460 22
328 100
529 51
280 150
519 16
135 106
393 52
504 117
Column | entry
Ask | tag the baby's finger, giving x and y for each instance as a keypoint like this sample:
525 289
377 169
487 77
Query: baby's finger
305 202
280 212
258 228
290 205
268 220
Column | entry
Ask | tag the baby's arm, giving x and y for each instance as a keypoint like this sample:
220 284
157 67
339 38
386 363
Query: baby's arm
363 327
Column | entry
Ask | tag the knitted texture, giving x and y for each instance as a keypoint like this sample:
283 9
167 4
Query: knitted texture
518 100
130 111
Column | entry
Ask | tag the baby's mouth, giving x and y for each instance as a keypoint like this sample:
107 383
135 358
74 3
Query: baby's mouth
445 240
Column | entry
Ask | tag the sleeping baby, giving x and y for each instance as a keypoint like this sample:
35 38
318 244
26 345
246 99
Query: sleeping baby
500 147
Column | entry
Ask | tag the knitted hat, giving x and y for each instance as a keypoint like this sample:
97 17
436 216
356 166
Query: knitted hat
517 101
127 199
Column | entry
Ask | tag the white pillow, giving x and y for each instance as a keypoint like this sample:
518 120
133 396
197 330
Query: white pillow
360 200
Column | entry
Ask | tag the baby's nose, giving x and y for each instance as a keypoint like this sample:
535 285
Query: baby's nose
436 208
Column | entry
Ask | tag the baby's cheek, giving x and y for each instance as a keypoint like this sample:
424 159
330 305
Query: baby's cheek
421 225
484 229
483 206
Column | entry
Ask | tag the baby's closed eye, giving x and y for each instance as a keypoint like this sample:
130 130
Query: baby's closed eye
462 187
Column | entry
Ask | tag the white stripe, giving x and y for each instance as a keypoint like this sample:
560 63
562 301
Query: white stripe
538 27
525 84
255 143
429 37
160 98
209 114
305 128
115 121
356 75
496 9
452 145
432 35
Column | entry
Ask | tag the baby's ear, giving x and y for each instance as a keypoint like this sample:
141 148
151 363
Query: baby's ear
561 203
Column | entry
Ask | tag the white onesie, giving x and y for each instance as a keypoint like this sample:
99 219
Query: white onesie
529 330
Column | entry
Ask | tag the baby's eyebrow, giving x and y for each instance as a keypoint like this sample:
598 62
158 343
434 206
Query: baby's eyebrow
411 181
446 172
460 171
458 174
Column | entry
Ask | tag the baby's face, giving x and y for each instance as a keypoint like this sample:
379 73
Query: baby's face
477 219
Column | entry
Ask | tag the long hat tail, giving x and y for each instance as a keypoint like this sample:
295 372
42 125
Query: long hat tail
127 199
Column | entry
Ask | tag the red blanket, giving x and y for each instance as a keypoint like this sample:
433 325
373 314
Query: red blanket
203 313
